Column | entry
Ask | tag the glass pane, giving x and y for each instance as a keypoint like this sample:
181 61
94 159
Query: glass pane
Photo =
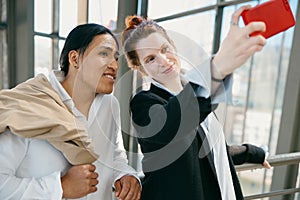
174 6
103 12
42 57
68 16
3 9
43 16
198 27
258 89
60 47
3 60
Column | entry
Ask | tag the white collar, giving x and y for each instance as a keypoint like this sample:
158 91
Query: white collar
157 84
55 79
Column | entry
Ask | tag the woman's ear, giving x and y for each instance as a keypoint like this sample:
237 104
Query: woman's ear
73 59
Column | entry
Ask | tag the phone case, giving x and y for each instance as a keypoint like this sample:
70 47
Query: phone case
276 14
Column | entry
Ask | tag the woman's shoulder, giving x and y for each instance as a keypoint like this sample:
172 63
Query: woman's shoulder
143 94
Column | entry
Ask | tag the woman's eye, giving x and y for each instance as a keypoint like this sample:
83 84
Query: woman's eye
151 59
165 49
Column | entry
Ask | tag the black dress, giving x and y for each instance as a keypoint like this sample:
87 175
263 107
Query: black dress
170 137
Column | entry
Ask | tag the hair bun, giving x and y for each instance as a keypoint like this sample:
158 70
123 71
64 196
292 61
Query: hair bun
133 21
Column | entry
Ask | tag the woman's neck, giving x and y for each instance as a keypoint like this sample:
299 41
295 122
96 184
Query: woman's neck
174 85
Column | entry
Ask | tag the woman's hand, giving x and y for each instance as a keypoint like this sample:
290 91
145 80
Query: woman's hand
238 46
266 164
128 188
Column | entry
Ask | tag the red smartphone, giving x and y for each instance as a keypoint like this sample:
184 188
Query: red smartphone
276 14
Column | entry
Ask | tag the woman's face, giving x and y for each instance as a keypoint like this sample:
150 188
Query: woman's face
158 58
99 65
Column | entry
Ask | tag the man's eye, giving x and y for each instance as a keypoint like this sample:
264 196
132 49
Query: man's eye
104 54
117 55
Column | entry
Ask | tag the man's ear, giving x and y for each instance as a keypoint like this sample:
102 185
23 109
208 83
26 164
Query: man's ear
73 58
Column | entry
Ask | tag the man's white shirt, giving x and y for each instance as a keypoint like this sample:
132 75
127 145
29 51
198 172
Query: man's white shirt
32 168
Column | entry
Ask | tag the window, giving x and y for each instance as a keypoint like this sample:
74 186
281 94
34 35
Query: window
54 19
196 27
103 12
258 89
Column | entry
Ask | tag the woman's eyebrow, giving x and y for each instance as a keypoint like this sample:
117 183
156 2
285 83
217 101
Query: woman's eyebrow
164 44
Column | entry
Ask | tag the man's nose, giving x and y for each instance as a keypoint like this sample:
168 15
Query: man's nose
113 65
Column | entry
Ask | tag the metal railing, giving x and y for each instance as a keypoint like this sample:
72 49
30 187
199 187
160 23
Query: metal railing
276 160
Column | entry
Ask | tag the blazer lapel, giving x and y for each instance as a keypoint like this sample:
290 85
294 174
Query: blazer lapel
205 150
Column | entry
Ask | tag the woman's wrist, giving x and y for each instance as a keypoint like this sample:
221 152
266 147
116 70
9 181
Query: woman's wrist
216 74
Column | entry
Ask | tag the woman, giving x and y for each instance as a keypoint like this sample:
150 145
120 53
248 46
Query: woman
48 127
185 153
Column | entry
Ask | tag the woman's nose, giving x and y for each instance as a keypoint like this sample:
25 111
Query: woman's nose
164 60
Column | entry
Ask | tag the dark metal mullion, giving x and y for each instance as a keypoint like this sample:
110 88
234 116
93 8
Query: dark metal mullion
20 40
123 91
87 10
3 25
218 28
52 36
143 8
55 34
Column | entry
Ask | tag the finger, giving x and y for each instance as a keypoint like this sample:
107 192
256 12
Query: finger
254 42
94 175
253 49
91 167
139 194
93 182
137 191
118 188
93 189
124 190
257 26
267 164
236 15
130 195
252 45
134 190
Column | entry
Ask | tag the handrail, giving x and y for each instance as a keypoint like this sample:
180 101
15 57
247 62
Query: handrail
276 160
273 193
